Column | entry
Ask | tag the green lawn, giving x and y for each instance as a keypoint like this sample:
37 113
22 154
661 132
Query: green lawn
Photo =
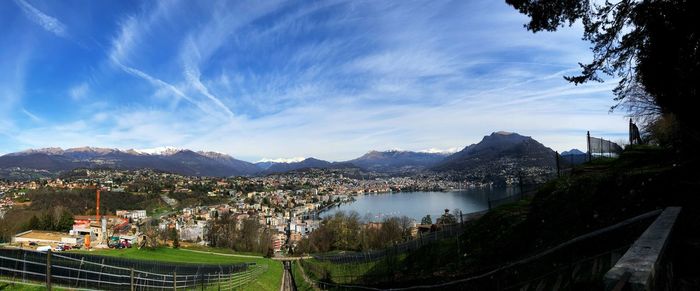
11 284
221 250
170 255
299 281
354 273
270 280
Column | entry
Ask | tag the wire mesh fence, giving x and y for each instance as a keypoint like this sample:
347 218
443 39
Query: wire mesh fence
599 147
441 232
577 264
108 273
446 231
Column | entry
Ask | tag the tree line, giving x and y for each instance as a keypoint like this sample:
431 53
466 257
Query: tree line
55 219
349 232
247 235
346 231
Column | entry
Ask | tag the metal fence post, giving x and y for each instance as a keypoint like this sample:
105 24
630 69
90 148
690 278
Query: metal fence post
588 144
132 280
48 270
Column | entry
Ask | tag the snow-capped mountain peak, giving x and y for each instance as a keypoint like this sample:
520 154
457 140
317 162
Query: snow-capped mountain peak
164 151
282 160
440 151
214 155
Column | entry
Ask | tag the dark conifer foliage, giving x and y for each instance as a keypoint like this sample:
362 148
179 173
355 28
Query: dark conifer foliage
653 46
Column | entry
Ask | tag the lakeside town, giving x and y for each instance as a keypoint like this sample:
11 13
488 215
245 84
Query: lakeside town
287 205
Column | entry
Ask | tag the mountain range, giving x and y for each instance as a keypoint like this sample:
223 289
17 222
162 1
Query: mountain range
307 163
574 157
499 146
397 161
185 162
499 152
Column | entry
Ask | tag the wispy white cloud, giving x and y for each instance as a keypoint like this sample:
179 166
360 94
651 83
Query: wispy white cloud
79 92
50 24
31 116
331 80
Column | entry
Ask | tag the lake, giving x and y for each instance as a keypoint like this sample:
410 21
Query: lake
416 205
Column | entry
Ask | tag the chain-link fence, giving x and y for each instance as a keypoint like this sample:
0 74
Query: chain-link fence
599 147
108 273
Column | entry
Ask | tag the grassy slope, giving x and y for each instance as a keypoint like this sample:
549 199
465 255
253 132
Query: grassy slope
5 286
171 255
270 280
299 281
596 195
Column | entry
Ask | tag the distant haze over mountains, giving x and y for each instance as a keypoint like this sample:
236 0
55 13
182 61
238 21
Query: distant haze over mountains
393 161
499 146
572 152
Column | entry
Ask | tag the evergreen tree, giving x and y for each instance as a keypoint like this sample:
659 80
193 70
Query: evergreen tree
175 238
34 223
651 46
426 220
47 222
65 222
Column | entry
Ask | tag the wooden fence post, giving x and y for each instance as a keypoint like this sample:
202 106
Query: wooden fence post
48 270
132 280
24 267
174 281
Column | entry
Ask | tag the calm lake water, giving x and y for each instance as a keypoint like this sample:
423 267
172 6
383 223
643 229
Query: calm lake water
417 204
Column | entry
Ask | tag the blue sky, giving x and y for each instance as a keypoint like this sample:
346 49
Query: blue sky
268 79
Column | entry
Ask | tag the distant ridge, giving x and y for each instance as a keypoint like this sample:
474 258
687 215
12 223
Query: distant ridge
396 160
572 152
180 161
574 157
308 163
498 153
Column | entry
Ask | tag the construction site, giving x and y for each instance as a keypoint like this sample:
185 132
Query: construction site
88 232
